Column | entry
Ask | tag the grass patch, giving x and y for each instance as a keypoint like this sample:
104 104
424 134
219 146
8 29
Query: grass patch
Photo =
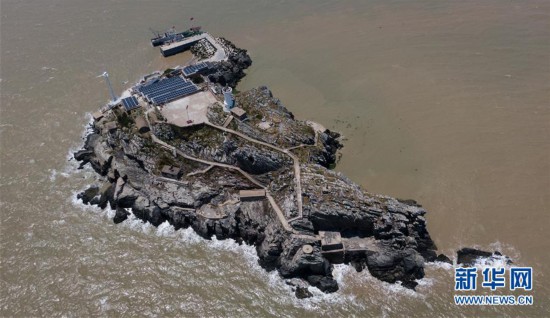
168 71
202 134
164 159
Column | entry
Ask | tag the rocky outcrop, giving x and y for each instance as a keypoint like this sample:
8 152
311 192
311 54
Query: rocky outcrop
442 258
469 256
396 242
386 236
230 72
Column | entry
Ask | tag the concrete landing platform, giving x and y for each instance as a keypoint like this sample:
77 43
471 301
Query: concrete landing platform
176 112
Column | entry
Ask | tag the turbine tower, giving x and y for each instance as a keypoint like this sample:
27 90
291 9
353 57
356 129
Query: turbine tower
106 76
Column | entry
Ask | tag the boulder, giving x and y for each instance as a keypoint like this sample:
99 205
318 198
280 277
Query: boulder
443 259
87 195
326 284
392 265
468 256
302 292
120 215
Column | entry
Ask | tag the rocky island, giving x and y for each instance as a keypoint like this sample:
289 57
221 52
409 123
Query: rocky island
182 147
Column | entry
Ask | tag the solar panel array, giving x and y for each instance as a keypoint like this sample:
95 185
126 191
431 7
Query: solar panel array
192 69
130 103
167 90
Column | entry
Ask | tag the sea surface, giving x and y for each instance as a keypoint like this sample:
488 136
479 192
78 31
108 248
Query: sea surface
446 102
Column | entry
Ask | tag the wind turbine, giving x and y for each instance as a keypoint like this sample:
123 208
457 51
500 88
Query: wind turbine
106 76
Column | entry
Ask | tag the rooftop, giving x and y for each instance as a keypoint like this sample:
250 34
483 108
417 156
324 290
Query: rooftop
97 115
330 240
170 170
252 193
237 111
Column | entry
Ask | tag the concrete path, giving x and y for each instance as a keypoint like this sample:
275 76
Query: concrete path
297 172
185 209
279 213
207 162
223 165
307 237
274 205
171 181
299 146
227 121
200 171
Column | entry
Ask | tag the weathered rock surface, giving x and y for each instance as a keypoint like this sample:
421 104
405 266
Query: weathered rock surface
443 259
230 72
302 292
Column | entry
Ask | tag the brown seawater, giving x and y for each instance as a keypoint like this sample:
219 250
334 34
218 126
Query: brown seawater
444 102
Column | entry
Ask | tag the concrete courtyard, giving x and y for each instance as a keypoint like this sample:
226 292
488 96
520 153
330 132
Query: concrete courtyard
176 113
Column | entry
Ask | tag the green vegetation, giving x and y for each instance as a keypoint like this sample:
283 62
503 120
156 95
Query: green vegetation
303 154
305 129
124 120
168 71
185 133
148 145
202 134
165 158
198 80
159 115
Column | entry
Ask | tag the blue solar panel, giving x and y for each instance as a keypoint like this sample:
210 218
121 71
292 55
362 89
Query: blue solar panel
192 69
169 89
177 94
130 103
163 91
161 83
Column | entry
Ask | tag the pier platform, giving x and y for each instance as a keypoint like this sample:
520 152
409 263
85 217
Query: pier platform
183 45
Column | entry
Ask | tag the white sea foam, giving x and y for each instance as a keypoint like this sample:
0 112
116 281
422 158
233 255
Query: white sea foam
493 261
107 212
189 236
53 175
439 265
508 253
72 166
104 304
320 301
345 275
165 229
426 281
